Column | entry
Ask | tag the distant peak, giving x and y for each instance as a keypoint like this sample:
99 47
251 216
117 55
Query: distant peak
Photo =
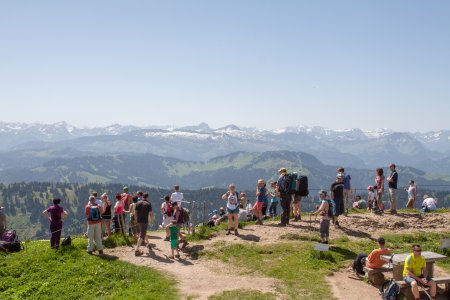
230 127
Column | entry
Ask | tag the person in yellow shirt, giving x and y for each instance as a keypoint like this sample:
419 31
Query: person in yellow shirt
415 273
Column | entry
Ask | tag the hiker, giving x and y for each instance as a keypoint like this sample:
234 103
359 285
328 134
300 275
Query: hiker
296 207
337 194
133 221
359 203
324 217
415 273
178 216
261 197
273 200
93 213
285 197
174 231
98 201
106 217
347 188
428 204
140 196
412 194
379 181
127 199
232 198
56 218
371 198
177 196
167 212
143 210
392 183
3 222
119 212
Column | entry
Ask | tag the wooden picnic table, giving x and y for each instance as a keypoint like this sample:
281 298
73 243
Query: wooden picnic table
398 261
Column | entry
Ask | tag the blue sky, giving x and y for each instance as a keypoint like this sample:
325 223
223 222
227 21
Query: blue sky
266 64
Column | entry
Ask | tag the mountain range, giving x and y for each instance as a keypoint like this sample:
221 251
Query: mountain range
31 145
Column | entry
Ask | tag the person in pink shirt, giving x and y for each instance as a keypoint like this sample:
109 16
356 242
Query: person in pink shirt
93 213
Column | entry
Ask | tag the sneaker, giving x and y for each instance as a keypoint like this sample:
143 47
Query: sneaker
177 256
100 252
394 211
137 253
228 232
149 247
337 225
236 232
166 239
326 242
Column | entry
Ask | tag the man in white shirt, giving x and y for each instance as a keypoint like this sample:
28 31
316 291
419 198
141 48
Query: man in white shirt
177 196
428 204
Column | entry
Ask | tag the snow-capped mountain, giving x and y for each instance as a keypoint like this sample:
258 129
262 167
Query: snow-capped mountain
350 147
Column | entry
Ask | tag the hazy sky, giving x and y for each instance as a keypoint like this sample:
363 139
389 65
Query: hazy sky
264 64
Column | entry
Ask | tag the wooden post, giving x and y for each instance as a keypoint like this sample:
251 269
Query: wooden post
397 272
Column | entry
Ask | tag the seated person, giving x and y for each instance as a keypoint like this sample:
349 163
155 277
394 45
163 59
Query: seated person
360 203
415 273
242 213
428 204
374 260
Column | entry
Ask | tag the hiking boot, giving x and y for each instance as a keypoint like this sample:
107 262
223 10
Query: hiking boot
89 252
177 256
394 211
236 232
149 248
228 232
337 225
100 252
138 253
166 239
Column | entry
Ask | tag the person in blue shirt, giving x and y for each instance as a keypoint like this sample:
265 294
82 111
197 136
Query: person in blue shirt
346 180
392 181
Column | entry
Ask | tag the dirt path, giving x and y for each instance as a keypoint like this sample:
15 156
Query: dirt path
200 278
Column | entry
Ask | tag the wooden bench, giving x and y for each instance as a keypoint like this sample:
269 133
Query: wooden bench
376 276
406 290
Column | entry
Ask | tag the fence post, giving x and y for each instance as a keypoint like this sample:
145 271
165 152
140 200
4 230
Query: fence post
194 223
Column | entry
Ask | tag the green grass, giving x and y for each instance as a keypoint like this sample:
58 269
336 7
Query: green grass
243 295
205 232
70 273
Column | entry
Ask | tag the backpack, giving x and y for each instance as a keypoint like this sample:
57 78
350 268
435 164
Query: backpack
389 290
302 186
186 215
331 208
67 241
9 236
94 213
169 209
359 263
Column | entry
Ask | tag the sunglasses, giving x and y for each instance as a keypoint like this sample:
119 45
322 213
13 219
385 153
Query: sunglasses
419 250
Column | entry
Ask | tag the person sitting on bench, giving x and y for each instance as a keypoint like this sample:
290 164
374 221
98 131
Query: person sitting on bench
374 260
415 273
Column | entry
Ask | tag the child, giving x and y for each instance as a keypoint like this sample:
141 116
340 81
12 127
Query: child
173 228
370 198
324 217
261 197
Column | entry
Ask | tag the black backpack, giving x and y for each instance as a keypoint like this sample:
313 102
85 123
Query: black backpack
302 186
359 263
389 290
67 241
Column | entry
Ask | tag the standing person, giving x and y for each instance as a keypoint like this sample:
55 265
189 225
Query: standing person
173 229
3 222
282 190
324 218
98 201
261 197
392 182
371 198
273 200
296 207
120 212
140 196
347 189
337 194
93 213
178 215
107 215
167 212
133 221
57 215
232 198
127 199
415 273
143 212
412 194
177 196
379 181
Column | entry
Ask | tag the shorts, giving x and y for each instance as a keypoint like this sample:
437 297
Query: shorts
324 228
258 206
297 199
142 227
409 279
393 195
167 221
173 244
235 211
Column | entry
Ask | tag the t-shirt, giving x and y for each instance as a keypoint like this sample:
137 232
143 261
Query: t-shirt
173 233
394 178
232 201
281 184
415 264
177 197
374 260
55 212
338 190
143 208
379 180
411 191
262 197
430 203
346 181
